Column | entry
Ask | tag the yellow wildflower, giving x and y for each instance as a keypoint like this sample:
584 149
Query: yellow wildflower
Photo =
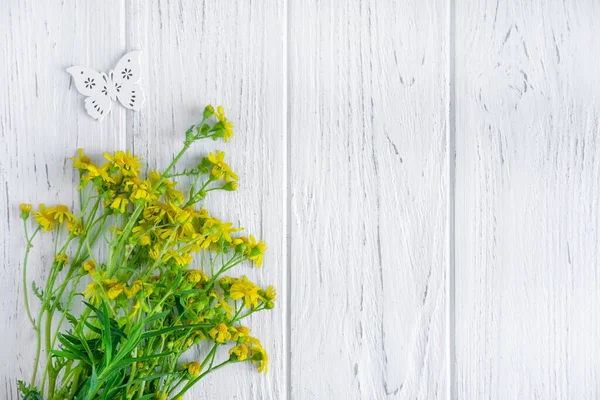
256 250
92 291
108 282
220 333
134 309
154 213
94 172
154 252
90 267
180 259
227 126
263 363
174 196
115 290
193 368
133 289
127 164
139 189
44 218
82 162
240 333
195 276
270 293
240 352
226 307
60 213
244 289
141 229
75 228
61 258
179 215
155 176
119 203
220 168
195 338
259 355
214 230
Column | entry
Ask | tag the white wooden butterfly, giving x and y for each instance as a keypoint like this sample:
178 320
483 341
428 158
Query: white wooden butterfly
102 89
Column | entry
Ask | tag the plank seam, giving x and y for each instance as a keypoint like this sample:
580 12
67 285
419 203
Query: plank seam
287 245
451 203
128 117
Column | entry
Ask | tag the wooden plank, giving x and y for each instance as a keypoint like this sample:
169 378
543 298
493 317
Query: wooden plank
368 175
42 123
230 54
527 203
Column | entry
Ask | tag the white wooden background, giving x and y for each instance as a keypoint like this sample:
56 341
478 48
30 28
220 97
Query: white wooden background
425 173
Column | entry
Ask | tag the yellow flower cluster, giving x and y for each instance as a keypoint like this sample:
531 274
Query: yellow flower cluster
49 217
162 279
249 347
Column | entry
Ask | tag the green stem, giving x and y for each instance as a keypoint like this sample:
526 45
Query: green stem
202 375
25 295
259 308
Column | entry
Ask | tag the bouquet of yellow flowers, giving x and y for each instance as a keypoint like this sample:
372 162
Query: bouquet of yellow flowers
145 300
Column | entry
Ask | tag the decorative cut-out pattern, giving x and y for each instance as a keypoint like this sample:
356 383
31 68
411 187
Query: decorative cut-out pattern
102 89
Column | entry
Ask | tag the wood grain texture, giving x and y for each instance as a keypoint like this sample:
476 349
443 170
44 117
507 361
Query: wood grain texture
42 123
528 159
223 53
368 182
340 110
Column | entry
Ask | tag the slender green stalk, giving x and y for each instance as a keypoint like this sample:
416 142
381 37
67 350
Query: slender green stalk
27 250
202 375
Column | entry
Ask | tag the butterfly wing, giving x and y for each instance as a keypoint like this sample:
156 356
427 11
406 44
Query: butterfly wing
128 69
87 81
98 105
94 85
130 95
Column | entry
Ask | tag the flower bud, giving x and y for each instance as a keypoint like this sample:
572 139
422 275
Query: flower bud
25 210
189 135
225 283
230 186
208 111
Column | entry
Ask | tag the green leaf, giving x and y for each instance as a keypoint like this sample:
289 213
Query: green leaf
156 317
93 328
72 320
140 380
107 392
128 361
39 293
192 291
160 332
72 344
90 353
70 356
29 392
106 335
